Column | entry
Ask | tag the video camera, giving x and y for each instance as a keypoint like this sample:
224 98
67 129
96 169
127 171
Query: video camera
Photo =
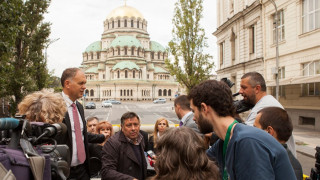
240 105
14 130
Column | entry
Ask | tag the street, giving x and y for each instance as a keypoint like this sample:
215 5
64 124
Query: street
150 112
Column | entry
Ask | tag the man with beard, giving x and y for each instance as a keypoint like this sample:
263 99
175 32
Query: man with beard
242 152
253 89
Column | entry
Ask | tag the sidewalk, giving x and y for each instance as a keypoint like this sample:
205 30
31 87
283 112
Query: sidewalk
306 141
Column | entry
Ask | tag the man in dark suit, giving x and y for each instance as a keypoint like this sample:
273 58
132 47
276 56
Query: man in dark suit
73 83
184 113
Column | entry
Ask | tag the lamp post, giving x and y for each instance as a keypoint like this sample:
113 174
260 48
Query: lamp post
47 45
277 51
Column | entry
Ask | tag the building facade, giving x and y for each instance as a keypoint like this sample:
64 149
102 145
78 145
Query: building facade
125 64
247 42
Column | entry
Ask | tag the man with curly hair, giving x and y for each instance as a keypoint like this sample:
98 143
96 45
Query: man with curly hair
242 152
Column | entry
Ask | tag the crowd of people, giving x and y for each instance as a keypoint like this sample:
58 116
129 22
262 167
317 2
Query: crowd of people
260 148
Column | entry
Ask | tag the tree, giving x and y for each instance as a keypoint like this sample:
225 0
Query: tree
191 65
24 65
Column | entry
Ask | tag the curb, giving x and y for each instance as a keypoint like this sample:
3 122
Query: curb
306 154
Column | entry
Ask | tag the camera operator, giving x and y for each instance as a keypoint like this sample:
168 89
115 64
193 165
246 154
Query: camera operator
253 89
73 83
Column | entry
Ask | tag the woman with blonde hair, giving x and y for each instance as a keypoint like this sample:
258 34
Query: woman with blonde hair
43 106
181 154
159 128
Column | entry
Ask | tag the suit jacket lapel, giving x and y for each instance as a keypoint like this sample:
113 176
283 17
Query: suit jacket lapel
128 149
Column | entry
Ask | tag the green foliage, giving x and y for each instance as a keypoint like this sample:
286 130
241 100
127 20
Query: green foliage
23 36
190 65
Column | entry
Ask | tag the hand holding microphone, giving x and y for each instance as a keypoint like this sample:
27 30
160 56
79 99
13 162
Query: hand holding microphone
151 157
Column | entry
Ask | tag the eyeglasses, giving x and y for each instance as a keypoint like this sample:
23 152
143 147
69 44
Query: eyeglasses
162 124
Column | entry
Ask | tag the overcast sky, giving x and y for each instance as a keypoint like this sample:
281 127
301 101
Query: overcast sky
78 23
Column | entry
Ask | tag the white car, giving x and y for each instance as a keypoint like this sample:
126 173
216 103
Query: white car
106 104
160 100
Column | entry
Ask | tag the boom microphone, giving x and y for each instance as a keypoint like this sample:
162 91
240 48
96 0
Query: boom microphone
8 123
52 130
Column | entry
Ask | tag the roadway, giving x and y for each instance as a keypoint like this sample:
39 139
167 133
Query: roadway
150 112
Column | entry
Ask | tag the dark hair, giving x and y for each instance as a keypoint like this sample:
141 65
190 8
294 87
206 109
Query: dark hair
128 115
183 157
256 79
92 118
278 119
215 94
67 74
183 101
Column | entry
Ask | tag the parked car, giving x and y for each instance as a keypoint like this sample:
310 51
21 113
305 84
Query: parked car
114 101
160 100
90 105
106 104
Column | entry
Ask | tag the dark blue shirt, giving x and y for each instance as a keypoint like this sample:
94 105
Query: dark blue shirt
253 154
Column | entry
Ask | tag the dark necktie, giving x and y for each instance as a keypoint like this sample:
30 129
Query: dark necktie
80 145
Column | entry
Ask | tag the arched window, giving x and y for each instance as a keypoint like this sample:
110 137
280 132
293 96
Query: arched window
152 55
165 92
125 50
141 92
91 55
112 24
169 92
134 74
118 74
138 52
126 74
160 92
125 23
113 52
124 92
142 25
128 93
118 51
87 92
131 92
118 23
121 92
109 92
91 92
158 55
138 24
131 23
87 56
132 51
98 55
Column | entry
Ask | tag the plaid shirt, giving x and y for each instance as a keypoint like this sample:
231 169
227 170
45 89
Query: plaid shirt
139 139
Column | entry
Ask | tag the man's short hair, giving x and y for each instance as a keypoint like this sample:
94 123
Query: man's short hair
215 94
67 74
183 101
128 115
256 79
278 119
92 118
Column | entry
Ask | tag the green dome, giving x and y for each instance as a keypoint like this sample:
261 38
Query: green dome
126 65
92 70
93 47
154 46
159 70
125 41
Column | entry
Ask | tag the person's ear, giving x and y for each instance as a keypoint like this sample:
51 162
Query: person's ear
257 88
270 130
67 83
204 108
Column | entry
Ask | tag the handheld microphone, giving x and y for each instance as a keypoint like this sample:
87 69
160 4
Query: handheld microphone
150 156
52 130
8 123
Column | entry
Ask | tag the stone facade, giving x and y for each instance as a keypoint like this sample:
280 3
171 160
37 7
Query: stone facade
125 64
246 42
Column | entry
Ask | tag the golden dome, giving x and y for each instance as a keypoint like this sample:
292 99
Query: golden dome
123 11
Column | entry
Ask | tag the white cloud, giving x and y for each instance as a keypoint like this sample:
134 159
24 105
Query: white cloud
79 23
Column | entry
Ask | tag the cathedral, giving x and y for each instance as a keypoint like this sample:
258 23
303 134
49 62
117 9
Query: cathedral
126 64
